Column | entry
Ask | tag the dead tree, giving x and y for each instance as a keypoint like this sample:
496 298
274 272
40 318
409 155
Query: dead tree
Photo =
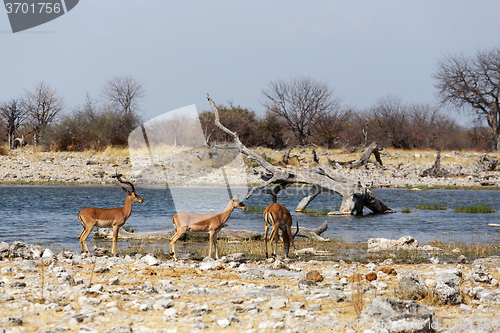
355 196
436 170
486 164
365 159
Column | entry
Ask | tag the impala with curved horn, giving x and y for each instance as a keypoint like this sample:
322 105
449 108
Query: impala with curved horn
107 217
211 223
277 216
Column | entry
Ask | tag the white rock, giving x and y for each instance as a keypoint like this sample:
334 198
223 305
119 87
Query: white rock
48 254
223 322
300 313
163 303
434 261
146 307
209 265
170 313
114 281
430 283
150 260
277 303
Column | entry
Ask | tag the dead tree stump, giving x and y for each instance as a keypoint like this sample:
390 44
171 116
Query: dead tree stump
436 170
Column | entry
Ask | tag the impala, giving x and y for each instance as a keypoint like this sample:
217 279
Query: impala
108 218
277 216
211 223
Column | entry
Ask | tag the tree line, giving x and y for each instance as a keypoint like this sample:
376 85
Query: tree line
37 117
299 111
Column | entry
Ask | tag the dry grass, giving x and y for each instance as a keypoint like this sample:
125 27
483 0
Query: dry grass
4 151
390 156
357 297
115 151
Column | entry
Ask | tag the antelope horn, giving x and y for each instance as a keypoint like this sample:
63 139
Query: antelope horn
118 176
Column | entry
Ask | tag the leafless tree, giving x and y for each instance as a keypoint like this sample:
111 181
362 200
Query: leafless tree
473 83
330 127
12 114
301 102
391 117
43 107
125 93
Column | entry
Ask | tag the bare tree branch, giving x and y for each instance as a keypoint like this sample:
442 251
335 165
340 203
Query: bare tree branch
354 195
124 92
474 83
43 107
301 102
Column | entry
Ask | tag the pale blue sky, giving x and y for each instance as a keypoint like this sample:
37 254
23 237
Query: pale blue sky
183 50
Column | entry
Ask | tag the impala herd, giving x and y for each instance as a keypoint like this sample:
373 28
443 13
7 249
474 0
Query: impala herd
275 215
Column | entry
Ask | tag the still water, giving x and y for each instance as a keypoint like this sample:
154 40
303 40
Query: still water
48 215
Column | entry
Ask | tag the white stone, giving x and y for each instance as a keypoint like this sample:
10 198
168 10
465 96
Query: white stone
48 254
170 313
150 260
277 303
223 322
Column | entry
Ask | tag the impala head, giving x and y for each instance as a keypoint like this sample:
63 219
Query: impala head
135 196
131 192
238 204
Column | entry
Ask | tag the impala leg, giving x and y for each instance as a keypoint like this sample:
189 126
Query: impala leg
81 233
211 244
178 234
290 237
215 246
286 241
80 238
83 239
115 239
274 238
266 229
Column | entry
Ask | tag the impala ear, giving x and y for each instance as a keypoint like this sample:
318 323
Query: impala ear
126 191
235 198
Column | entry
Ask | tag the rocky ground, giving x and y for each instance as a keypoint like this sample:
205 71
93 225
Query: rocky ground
71 292
193 167
45 292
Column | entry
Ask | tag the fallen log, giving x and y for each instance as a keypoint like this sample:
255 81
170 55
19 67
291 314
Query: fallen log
228 234
355 196
486 164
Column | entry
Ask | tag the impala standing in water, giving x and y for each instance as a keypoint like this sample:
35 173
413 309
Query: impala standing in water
107 217
211 223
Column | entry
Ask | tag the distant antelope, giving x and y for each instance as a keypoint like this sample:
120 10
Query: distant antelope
211 223
107 217
277 216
